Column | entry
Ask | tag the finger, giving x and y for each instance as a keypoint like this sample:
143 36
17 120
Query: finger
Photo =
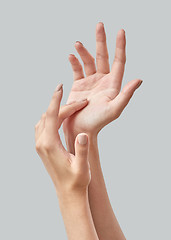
53 110
118 66
41 125
69 109
88 60
81 150
76 67
36 130
119 103
102 57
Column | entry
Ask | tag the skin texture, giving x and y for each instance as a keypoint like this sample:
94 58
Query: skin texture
69 173
102 87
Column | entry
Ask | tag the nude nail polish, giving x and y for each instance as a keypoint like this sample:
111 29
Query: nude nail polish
59 87
139 84
82 139
101 23
79 42
83 100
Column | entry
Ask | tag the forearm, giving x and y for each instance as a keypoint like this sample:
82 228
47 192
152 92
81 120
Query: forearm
105 222
77 216
103 216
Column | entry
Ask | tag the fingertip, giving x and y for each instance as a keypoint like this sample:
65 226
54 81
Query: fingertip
59 87
121 33
58 93
78 104
83 103
139 83
78 44
53 108
100 26
71 56
132 85
84 100
100 23
121 39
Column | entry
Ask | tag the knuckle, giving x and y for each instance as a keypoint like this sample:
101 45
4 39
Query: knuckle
38 147
89 60
47 146
77 69
44 147
43 115
37 125
101 56
120 60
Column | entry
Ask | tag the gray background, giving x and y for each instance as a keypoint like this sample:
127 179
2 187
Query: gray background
36 38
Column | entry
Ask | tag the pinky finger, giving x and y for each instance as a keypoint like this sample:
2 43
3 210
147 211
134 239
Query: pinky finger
76 67
36 129
40 126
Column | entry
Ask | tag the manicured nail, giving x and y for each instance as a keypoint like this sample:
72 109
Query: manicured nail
59 87
123 30
83 100
82 138
139 84
79 42
101 23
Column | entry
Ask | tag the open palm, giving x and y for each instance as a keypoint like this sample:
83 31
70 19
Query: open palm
101 87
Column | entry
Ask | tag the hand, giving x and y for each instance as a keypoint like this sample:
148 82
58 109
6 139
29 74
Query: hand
101 87
68 172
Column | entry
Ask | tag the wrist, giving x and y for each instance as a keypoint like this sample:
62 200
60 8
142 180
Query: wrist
70 139
72 198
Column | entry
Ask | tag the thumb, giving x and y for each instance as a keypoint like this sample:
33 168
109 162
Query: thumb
123 98
81 149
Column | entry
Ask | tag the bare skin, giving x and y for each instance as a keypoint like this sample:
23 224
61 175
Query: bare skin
69 173
102 87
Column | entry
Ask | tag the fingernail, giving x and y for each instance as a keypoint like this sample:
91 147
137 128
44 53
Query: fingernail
83 100
79 42
101 23
82 139
123 30
139 84
59 87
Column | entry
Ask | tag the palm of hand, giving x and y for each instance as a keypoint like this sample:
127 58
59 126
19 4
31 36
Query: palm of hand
98 91
101 87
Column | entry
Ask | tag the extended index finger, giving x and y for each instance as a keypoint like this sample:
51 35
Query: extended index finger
53 110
